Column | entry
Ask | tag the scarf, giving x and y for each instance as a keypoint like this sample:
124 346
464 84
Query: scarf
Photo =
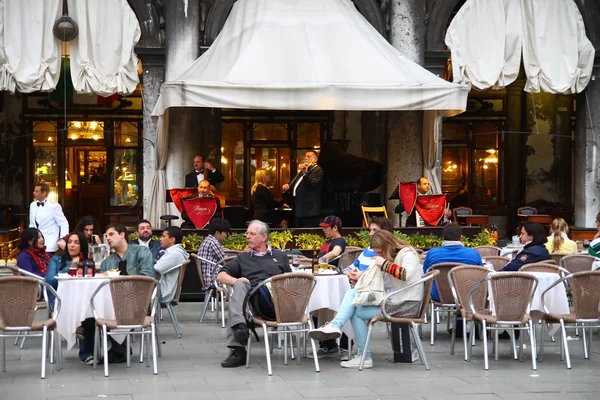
40 257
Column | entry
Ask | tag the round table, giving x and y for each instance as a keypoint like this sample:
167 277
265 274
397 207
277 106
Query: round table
328 294
75 295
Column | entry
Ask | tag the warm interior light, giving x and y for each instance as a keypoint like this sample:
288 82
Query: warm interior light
93 125
95 137
74 136
49 138
223 160
128 140
77 124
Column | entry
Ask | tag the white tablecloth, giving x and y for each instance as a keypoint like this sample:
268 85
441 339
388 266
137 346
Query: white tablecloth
507 251
75 295
596 265
329 293
556 299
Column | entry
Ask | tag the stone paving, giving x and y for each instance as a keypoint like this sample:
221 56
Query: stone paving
189 369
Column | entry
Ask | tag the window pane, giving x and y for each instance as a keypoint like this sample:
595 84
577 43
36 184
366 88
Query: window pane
126 134
270 132
232 160
44 133
309 136
44 147
276 161
485 135
455 169
125 188
455 131
485 176
85 130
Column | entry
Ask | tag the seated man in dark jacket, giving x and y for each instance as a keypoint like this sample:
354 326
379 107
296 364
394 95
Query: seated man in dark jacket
242 274
533 236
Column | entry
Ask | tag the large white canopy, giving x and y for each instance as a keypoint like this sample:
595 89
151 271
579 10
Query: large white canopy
487 37
306 55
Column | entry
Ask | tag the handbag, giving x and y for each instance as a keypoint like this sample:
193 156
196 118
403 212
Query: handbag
369 287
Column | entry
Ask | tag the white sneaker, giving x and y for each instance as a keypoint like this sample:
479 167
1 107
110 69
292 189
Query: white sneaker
355 363
326 332
344 355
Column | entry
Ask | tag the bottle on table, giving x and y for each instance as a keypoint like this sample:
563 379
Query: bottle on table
81 266
315 263
90 267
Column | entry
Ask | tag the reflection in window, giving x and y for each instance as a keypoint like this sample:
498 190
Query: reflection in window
277 163
44 146
232 160
125 188
309 136
485 176
455 169
126 134
270 132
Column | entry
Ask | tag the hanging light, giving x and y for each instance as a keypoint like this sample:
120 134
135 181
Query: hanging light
65 28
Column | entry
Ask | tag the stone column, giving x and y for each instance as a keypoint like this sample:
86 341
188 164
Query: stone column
514 177
405 128
586 188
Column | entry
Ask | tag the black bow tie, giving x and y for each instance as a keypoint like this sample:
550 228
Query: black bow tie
40 203
200 172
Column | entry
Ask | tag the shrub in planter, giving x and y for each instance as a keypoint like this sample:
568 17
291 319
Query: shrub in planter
309 241
192 241
235 241
280 239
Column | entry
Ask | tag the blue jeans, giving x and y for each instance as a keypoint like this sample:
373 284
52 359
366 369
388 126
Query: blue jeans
358 316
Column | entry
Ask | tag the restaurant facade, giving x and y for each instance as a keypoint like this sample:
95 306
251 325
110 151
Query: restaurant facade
509 149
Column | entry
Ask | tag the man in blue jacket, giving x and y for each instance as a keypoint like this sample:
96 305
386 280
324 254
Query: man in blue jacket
452 250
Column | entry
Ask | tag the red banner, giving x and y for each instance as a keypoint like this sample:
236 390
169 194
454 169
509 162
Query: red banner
431 208
408 195
200 210
178 194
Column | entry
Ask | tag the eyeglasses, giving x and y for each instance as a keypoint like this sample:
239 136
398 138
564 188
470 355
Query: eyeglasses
250 233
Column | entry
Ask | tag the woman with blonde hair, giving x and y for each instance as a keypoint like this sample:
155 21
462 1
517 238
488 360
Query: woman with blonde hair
399 273
558 241
264 203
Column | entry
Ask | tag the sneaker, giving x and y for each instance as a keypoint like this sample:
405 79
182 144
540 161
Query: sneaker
89 360
241 333
323 352
344 355
355 363
237 358
326 332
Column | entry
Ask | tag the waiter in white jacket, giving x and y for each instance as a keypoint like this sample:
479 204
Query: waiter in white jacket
47 216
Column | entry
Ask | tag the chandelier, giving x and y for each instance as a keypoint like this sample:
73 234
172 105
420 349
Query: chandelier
85 130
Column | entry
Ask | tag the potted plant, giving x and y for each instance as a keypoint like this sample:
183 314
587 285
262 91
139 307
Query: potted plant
280 239
235 241
309 243
192 241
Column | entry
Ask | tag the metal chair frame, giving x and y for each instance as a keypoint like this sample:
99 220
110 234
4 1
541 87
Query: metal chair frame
168 305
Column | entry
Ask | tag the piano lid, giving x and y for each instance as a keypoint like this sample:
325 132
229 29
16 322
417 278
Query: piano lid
345 172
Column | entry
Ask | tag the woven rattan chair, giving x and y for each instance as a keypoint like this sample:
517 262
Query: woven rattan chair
387 304
231 253
446 303
180 270
557 257
498 262
462 279
512 293
348 257
585 289
212 289
544 267
18 304
132 297
291 293
577 263
486 251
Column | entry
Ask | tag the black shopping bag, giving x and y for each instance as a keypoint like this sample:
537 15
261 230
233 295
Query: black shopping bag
402 344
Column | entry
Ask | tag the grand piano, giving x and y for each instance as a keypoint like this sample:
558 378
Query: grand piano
348 181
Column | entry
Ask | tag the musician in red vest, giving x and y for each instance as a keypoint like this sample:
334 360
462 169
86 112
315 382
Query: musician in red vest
414 218
203 191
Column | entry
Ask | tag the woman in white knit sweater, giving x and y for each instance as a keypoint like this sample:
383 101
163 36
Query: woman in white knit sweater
403 271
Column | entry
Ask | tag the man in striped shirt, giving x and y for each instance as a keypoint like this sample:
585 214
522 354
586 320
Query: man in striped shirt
210 249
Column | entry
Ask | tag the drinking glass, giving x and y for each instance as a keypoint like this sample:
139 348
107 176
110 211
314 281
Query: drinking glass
323 263
295 262
73 269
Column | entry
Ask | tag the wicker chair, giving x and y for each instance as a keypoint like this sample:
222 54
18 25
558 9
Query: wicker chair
557 257
291 293
585 288
180 270
348 257
544 267
446 303
498 262
18 299
462 279
230 253
384 316
132 297
577 263
512 293
486 251
211 289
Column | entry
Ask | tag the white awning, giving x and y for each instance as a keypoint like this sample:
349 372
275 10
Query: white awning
487 38
102 57
29 52
306 55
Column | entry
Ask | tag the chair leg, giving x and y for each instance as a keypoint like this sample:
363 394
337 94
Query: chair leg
105 348
52 347
419 345
521 343
433 324
313 346
207 302
174 320
485 347
514 344
23 340
469 349
158 342
465 340
285 346
4 353
496 346
154 350
248 351
128 356
363 356
17 339
591 335
453 336
44 350
585 347
298 353
96 345
540 355
267 349
222 310
565 343
533 346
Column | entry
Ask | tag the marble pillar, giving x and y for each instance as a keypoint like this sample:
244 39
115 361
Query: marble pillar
586 188
405 128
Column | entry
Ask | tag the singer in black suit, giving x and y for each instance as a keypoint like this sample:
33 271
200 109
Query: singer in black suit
203 170
306 189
